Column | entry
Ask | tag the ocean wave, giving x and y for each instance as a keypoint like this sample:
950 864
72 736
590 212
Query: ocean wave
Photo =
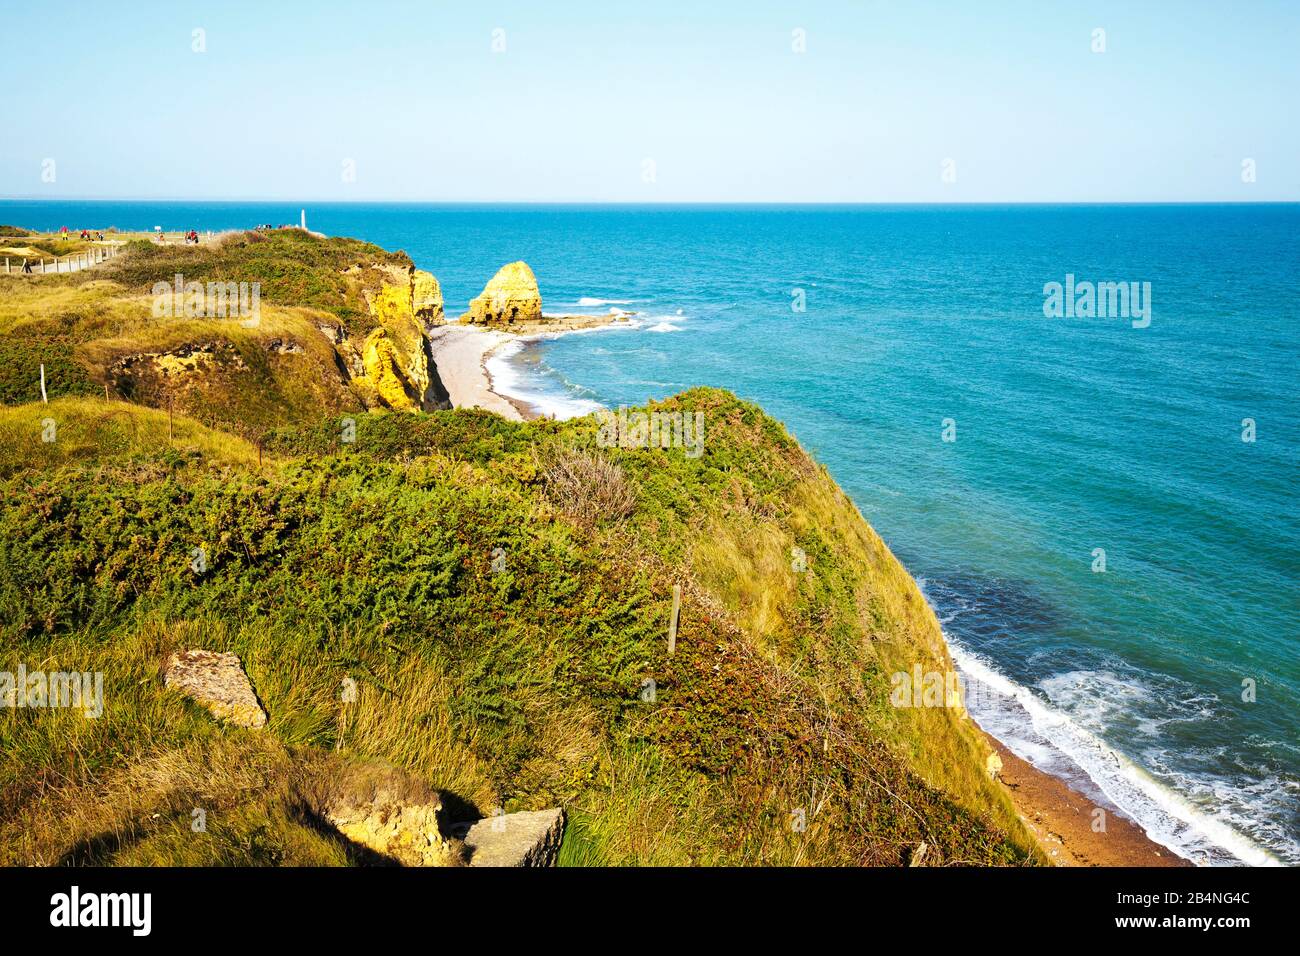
587 301
509 378
1104 697
1045 735
613 310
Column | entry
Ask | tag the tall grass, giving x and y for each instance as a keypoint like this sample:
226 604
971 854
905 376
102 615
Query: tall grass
496 592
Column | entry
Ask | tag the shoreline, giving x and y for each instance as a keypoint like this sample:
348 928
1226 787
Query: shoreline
461 354
1061 819
1057 815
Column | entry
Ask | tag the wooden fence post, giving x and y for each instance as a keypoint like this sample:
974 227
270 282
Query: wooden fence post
672 621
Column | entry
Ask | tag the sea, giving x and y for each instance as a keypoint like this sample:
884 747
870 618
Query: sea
1099 502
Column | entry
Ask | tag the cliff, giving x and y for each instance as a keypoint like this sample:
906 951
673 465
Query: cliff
250 333
395 357
482 604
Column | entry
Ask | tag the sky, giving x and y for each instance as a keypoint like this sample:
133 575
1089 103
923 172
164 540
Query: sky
613 101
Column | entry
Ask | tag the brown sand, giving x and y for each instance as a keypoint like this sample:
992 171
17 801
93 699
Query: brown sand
1061 819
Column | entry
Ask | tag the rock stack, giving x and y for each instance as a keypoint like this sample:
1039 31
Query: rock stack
511 296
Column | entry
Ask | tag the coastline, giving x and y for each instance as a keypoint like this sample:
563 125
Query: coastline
462 352
1059 816
1061 820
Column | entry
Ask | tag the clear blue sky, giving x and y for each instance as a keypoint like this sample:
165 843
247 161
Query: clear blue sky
712 92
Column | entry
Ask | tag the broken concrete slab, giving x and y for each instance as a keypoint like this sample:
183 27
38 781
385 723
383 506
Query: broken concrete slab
218 682
528 838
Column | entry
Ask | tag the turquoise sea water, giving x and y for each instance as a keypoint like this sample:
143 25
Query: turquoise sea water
1072 434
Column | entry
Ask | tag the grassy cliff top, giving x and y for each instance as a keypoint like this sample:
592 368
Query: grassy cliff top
500 593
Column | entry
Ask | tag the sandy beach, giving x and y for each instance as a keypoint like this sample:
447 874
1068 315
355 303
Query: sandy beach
460 353
1061 819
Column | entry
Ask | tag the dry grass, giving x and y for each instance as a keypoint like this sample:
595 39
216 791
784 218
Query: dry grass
639 821
381 721
589 487
747 564
263 793
942 744
97 307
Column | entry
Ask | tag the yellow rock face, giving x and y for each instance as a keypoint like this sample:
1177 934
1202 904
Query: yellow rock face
397 362
409 835
511 296
391 305
385 374
426 298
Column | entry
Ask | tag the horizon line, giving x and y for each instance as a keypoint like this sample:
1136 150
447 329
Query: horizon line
658 202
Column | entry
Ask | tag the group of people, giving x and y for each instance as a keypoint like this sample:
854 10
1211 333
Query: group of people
63 234
191 237
85 234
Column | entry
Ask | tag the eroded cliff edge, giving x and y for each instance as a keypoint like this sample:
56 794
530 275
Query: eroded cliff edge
496 592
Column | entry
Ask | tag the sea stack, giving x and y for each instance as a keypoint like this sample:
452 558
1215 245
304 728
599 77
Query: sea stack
511 296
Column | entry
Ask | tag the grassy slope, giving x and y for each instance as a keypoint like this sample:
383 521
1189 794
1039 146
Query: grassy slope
373 560
80 324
